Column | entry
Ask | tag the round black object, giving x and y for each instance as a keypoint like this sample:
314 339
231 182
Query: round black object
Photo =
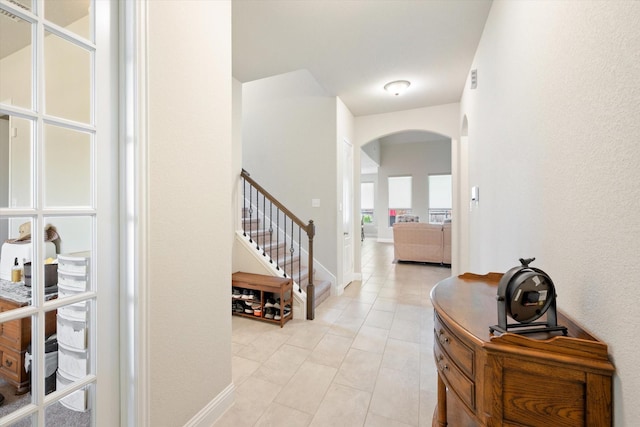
528 296
528 292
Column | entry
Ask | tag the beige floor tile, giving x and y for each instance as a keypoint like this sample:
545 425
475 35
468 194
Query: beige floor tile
371 339
379 319
282 364
359 370
396 396
374 420
309 337
367 296
346 326
263 346
307 387
402 355
327 315
357 309
242 368
342 406
428 403
331 350
277 415
253 397
384 304
405 330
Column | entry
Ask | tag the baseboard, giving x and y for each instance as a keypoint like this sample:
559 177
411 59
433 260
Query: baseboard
214 409
385 240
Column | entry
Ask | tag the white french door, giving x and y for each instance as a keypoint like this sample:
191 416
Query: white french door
59 96
347 214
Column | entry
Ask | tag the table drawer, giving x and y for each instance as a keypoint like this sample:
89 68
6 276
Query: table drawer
458 381
459 353
11 366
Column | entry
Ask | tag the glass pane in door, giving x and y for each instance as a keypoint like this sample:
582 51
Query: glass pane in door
67 167
67 72
16 162
15 370
16 59
73 15
73 409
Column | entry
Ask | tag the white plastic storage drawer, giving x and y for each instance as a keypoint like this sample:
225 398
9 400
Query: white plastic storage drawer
73 281
77 263
76 401
72 333
66 291
72 362
76 312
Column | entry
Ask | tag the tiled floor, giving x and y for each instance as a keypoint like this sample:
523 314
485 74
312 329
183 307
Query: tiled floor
366 359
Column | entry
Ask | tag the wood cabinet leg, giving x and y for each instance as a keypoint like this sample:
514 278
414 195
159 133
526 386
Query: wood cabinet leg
442 403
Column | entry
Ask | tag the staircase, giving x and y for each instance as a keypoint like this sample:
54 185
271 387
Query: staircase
284 253
282 240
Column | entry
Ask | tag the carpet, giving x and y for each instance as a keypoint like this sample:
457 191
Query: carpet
55 414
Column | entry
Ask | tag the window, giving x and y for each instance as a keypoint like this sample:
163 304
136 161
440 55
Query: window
399 197
367 202
439 198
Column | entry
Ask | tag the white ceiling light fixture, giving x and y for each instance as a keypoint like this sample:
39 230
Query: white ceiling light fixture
397 87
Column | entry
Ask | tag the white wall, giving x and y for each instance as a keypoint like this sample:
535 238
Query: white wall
553 146
189 217
418 160
289 148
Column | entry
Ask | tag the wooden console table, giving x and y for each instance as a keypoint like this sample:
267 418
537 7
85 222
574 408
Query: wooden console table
538 380
15 336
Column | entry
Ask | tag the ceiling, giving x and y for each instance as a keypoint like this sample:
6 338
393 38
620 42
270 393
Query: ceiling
354 47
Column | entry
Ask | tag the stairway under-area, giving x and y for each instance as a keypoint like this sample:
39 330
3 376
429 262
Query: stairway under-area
283 252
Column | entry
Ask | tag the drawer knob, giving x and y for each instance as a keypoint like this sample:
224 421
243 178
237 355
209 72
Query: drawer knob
444 340
8 363
444 367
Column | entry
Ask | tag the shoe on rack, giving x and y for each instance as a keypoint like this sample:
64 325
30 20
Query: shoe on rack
245 294
238 307
247 308
270 303
268 313
277 304
287 311
236 293
276 315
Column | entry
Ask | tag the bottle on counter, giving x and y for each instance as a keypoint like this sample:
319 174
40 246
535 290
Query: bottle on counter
16 272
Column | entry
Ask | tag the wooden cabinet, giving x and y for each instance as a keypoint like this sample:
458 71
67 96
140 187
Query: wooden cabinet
538 380
15 337
263 285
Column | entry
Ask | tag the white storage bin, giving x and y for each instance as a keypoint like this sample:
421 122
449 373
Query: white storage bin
73 281
66 291
72 333
76 401
76 312
73 362
77 263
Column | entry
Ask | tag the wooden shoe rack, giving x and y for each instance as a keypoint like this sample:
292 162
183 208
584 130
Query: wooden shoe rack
278 286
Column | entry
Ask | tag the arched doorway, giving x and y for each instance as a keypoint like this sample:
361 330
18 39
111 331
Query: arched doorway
416 158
